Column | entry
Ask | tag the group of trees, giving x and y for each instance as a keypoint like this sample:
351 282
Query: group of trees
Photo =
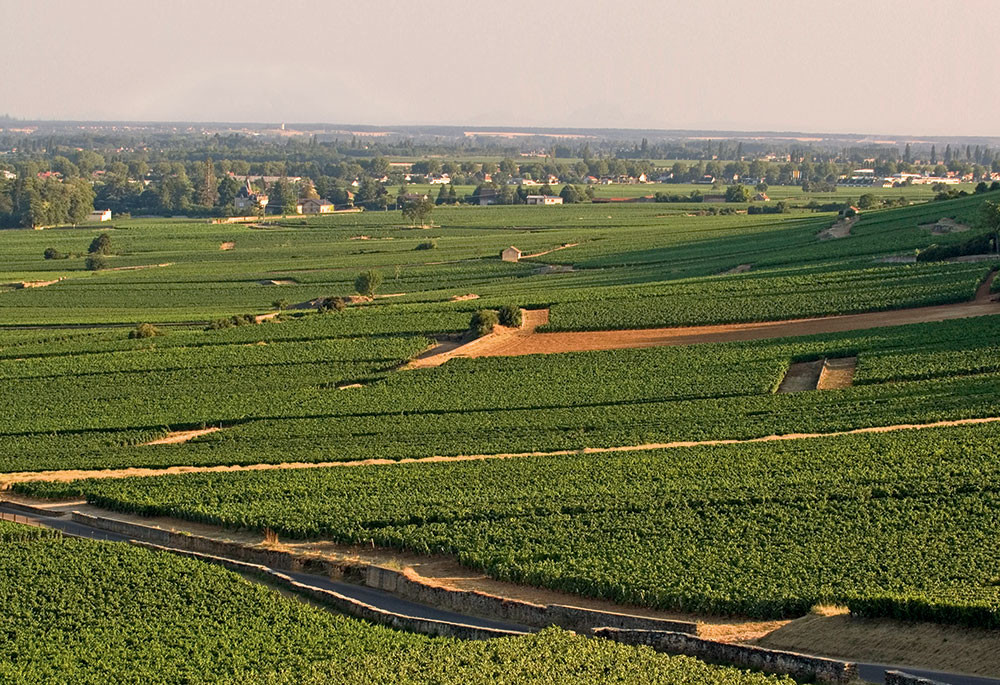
33 201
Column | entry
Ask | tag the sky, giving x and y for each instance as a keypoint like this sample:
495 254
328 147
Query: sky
913 67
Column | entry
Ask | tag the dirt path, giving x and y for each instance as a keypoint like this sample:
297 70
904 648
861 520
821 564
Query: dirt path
583 341
140 267
840 229
545 252
176 437
8 479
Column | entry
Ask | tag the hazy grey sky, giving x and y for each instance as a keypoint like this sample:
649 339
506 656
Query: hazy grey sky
905 66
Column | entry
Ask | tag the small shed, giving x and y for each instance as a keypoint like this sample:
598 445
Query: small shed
510 254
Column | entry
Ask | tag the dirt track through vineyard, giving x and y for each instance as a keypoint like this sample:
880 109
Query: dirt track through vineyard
8 479
509 342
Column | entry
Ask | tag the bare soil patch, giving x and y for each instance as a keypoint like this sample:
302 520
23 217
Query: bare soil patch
229 245
18 285
822 374
837 373
140 267
277 281
922 645
840 229
898 259
555 269
176 437
463 298
945 225
742 268
801 377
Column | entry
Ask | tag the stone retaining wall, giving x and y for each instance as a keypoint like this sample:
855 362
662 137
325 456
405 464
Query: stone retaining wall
348 605
390 580
799 666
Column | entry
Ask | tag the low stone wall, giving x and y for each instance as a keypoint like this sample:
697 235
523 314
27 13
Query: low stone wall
29 509
799 666
396 582
900 678
515 611
348 605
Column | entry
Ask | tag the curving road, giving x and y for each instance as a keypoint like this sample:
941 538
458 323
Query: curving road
873 673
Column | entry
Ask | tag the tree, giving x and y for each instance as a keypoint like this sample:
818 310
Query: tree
52 253
982 187
145 330
510 315
569 194
371 194
738 193
368 282
331 304
418 211
282 195
96 262
228 187
762 187
868 201
101 245
483 322
208 193
308 190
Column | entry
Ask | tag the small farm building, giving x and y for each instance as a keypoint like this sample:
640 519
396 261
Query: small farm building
99 215
511 254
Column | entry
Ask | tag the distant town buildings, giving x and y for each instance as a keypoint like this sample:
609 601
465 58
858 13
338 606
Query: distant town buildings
543 200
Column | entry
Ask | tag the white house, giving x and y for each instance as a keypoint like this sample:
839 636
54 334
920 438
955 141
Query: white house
543 200
99 215
511 254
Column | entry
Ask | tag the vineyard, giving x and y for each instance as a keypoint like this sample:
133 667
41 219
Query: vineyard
279 401
899 524
88 612
894 525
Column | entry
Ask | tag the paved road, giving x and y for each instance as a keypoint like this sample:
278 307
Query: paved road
873 673
389 602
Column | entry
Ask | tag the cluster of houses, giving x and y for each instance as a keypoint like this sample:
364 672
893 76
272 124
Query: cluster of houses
249 199
868 178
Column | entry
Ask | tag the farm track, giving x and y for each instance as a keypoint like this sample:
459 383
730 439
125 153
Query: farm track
528 341
8 479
